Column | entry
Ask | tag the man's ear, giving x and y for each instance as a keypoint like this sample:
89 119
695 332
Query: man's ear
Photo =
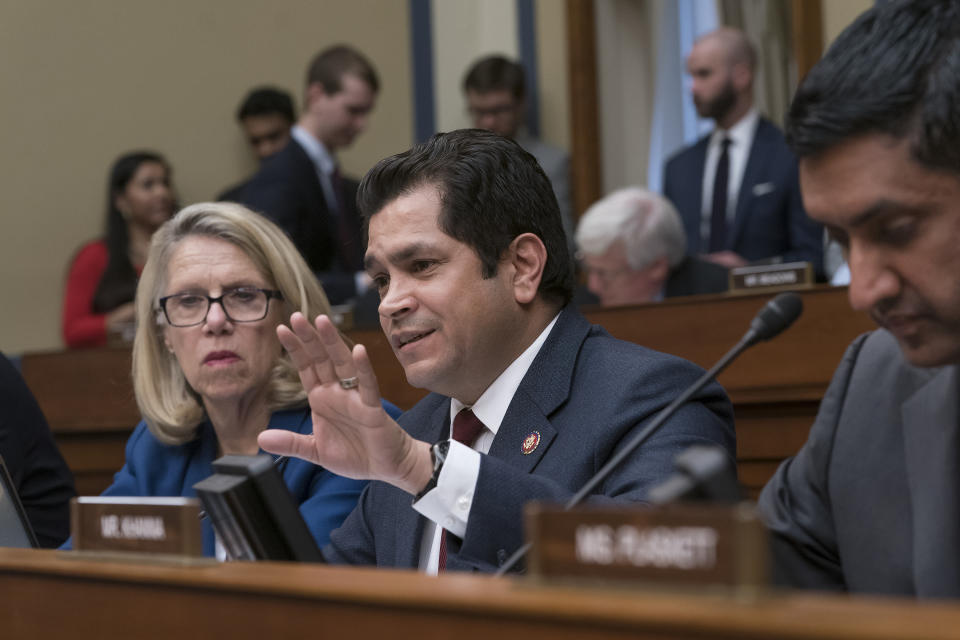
315 92
659 269
742 76
528 257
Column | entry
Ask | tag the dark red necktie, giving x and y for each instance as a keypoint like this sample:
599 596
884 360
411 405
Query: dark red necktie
466 428
349 249
718 215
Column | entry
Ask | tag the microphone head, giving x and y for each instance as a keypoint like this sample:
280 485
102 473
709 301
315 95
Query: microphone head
776 315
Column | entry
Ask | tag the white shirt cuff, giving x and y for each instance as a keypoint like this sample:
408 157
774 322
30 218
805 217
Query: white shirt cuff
448 504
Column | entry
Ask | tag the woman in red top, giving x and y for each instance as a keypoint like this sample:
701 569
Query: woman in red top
103 276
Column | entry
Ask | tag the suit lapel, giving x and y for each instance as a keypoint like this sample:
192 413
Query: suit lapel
545 387
756 162
931 422
695 196
409 522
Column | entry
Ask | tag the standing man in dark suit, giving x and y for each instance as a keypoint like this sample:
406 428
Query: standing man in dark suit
528 399
736 189
633 249
871 503
301 187
266 116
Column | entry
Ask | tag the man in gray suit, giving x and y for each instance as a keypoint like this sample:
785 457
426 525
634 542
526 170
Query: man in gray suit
496 90
872 501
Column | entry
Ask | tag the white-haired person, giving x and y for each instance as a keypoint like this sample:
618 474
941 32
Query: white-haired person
632 247
208 370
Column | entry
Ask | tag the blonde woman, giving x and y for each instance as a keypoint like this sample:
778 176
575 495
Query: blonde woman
209 372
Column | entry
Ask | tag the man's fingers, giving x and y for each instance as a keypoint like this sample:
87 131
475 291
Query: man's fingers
335 348
287 443
301 361
310 351
369 388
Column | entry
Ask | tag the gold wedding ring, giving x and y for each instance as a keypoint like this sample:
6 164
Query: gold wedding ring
350 383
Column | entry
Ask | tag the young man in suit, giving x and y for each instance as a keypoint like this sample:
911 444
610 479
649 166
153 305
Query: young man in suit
870 503
633 249
468 253
265 116
301 187
736 188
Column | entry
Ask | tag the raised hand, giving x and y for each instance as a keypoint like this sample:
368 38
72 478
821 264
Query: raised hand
352 435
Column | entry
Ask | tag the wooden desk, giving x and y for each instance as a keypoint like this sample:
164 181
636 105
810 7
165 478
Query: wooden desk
775 387
49 595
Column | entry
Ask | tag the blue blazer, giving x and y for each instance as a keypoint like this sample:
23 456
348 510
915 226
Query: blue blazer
287 190
585 394
156 469
770 220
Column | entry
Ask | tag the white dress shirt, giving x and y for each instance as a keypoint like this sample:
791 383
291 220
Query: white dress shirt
741 139
447 506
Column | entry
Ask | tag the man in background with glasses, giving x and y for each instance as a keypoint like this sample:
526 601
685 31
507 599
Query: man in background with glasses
633 249
495 89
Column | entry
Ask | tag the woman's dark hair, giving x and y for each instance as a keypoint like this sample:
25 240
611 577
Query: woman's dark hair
119 281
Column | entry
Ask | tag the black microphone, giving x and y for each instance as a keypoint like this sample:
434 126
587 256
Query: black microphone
774 317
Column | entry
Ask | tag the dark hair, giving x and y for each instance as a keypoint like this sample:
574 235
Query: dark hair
118 284
896 71
491 191
496 73
265 101
330 65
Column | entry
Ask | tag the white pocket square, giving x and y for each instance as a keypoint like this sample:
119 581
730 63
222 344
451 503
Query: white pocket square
763 188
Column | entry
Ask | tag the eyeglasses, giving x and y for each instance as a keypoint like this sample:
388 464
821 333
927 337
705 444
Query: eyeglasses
605 276
496 111
243 304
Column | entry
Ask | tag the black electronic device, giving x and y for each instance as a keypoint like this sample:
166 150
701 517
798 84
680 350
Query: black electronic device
253 513
15 529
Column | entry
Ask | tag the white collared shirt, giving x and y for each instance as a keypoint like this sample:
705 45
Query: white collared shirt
741 139
323 161
447 506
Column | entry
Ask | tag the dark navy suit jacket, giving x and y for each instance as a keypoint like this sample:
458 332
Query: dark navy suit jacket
770 221
585 394
287 190
694 276
39 473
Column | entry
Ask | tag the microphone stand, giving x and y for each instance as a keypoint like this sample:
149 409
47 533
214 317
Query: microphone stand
773 318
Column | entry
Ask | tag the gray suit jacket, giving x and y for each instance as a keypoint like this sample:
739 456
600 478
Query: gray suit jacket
586 393
872 501
555 162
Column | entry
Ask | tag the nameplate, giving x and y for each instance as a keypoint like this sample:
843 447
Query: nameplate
142 525
684 545
771 277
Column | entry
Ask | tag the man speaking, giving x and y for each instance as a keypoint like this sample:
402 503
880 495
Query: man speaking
872 501
468 253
